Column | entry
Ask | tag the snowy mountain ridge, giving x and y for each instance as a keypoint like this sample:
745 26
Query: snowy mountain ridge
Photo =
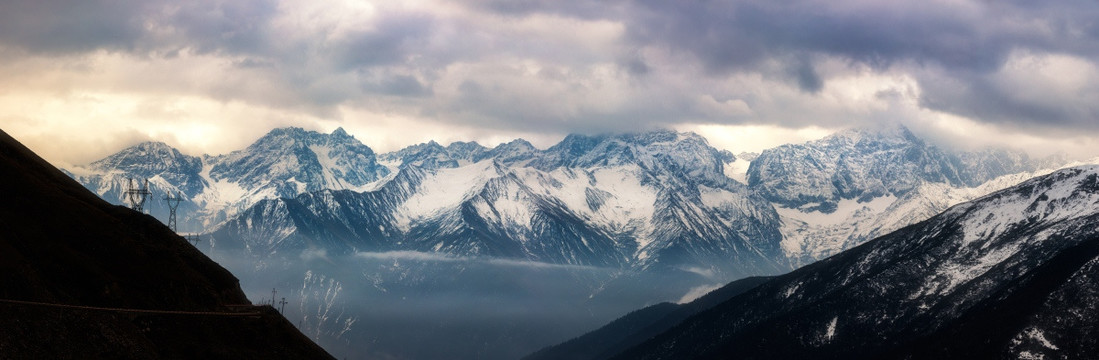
284 163
813 235
1010 274
661 198
619 201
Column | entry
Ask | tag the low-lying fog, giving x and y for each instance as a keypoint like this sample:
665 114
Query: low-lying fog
409 305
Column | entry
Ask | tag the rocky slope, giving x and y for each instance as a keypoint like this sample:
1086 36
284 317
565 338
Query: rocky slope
639 200
855 185
648 200
284 163
1010 275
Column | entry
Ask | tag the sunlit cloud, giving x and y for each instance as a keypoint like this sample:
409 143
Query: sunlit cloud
209 76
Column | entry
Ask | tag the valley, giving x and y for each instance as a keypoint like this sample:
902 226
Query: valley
568 238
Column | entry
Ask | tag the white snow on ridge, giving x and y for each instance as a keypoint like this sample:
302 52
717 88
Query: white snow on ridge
818 235
444 189
627 205
845 211
220 193
513 206
715 198
631 199
327 165
813 235
1057 203
989 219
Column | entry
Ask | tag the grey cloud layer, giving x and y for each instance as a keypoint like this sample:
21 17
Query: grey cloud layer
956 50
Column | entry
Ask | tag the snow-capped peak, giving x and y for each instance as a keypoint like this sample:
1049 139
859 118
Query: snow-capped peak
147 159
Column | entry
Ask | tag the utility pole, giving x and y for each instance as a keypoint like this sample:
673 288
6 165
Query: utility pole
282 305
137 196
173 203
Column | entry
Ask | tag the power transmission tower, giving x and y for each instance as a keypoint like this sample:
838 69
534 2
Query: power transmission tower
273 292
137 196
282 305
173 203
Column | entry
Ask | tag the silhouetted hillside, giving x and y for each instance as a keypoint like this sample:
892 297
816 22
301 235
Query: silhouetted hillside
85 279
638 326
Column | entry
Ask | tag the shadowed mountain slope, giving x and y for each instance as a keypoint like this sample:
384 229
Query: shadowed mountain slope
1010 275
85 279
638 326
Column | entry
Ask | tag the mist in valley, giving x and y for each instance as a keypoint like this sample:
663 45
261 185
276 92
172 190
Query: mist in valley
412 305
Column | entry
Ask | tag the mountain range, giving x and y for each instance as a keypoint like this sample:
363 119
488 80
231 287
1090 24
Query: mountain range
669 216
284 163
655 200
1008 275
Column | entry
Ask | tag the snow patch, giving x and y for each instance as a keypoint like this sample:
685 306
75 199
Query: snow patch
845 211
444 189
830 333
715 198
817 235
628 209
1037 335
331 181
790 290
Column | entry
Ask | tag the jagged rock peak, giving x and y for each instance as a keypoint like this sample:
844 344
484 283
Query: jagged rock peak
295 160
879 134
747 156
301 137
518 143
147 159
870 162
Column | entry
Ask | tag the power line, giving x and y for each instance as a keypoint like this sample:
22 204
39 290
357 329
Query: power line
125 310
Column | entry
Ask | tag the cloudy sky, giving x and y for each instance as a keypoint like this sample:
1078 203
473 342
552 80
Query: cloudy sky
80 79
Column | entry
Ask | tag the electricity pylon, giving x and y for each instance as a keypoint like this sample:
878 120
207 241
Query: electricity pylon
173 203
137 196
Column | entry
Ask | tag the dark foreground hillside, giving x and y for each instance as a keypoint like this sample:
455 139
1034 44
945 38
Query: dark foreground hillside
80 278
638 326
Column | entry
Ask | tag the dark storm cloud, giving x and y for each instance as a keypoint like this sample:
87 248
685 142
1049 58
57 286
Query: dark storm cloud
233 27
76 26
980 97
397 85
730 34
807 77
957 49
63 26
967 41
392 40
